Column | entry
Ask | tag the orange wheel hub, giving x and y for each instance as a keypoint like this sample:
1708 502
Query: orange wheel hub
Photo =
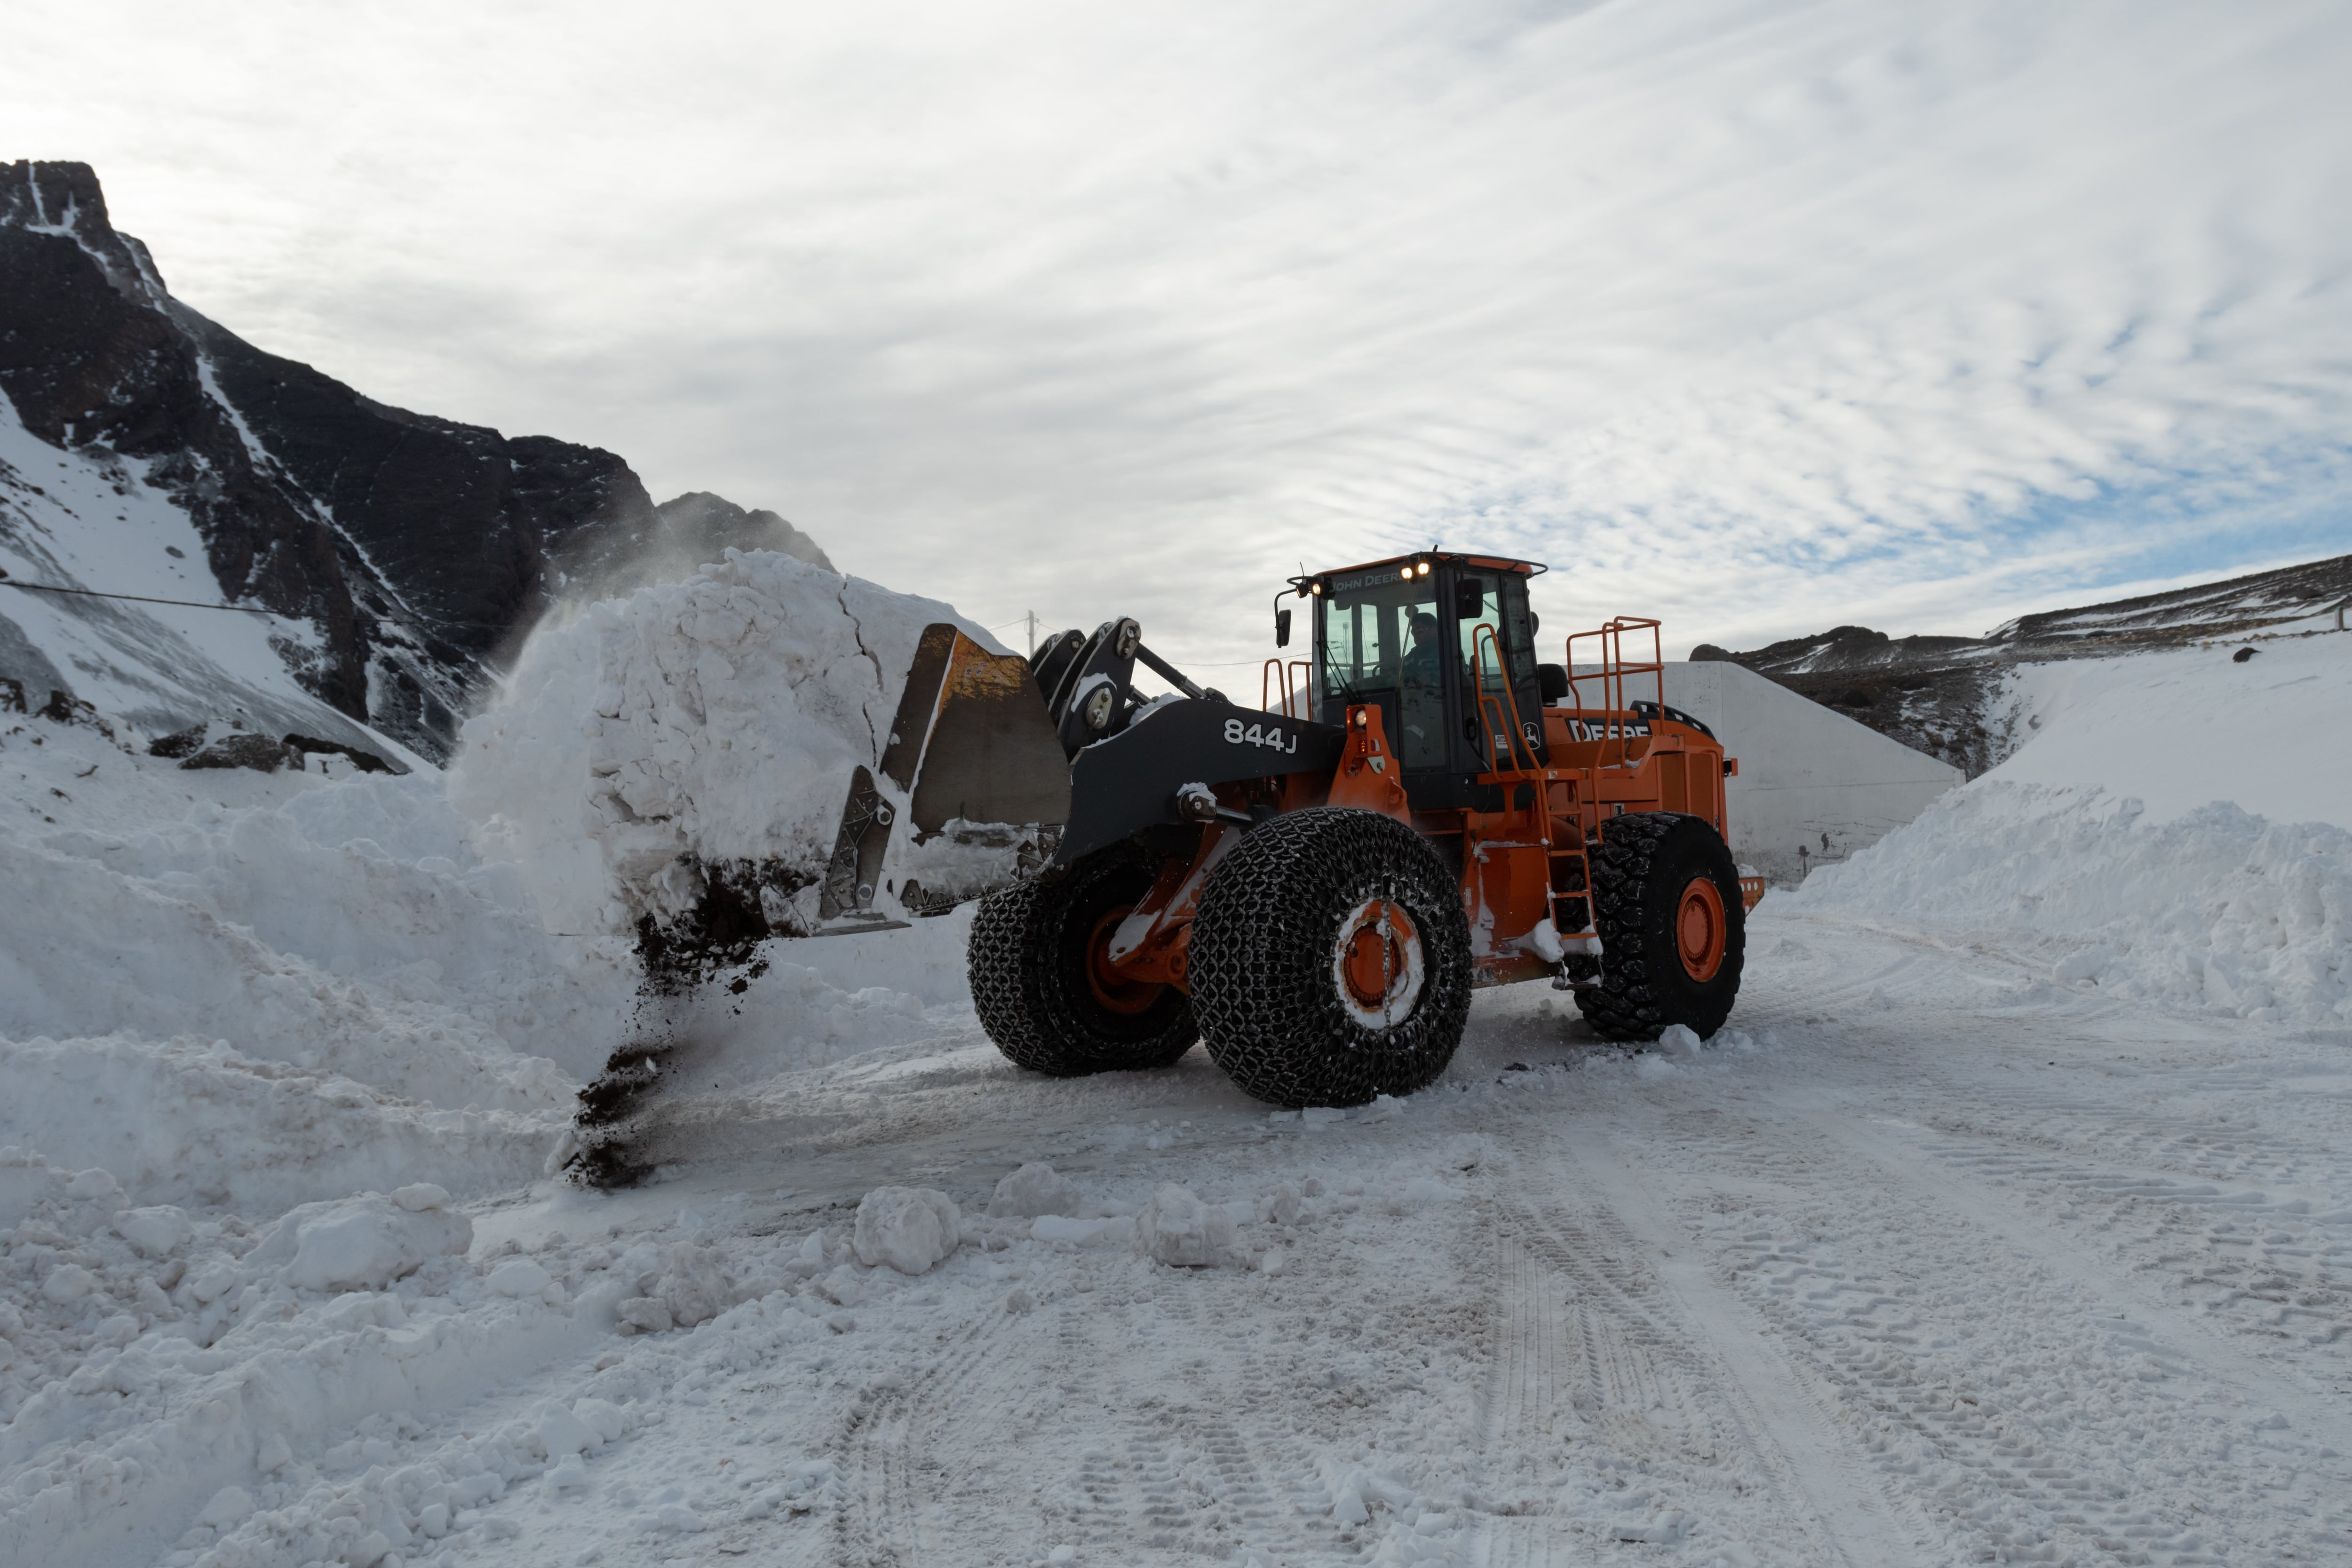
1111 988
1375 953
1699 931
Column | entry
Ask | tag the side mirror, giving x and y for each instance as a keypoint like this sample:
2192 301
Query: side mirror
1469 599
1282 628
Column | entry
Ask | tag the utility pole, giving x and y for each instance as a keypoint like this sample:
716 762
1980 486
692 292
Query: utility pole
1032 645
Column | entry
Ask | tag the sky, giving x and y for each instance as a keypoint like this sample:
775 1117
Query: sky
1755 317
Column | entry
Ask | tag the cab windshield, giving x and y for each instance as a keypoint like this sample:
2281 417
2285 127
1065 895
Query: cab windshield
1382 640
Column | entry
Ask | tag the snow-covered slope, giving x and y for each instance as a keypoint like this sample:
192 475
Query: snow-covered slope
1952 697
89 517
2191 726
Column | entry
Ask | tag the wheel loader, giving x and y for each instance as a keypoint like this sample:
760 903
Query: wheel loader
1313 887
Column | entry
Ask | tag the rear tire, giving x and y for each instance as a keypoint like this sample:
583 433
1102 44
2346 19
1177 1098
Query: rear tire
1330 960
1029 964
1671 953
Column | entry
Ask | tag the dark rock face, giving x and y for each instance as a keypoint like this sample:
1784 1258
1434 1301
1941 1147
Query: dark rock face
1934 694
419 548
258 753
700 527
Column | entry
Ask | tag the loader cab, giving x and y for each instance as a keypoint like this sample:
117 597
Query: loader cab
1444 646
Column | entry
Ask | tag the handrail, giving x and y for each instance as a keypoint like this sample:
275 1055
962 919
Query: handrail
1292 692
1612 673
1481 637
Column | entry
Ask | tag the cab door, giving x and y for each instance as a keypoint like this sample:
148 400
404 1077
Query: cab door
1495 648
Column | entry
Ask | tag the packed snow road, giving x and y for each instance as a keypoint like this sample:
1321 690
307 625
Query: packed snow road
1926 1260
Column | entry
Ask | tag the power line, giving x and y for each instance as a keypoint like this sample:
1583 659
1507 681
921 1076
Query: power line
8 582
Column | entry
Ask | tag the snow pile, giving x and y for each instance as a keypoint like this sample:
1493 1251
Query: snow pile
2214 911
2125 846
698 724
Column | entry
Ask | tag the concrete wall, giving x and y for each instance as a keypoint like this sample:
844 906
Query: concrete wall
1813 786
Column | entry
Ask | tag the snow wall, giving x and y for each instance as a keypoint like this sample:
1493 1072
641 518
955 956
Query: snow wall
1814 787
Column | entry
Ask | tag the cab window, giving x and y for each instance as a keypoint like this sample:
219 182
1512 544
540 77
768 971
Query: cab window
1384 642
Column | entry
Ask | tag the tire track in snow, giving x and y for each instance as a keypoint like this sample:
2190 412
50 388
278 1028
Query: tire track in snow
1169 1481
1992 1379
1225 1505
883 1454
1592 1354
2255 1228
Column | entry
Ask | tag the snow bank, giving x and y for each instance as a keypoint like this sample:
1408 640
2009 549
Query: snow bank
713 721
196 1123
258 991
2215 910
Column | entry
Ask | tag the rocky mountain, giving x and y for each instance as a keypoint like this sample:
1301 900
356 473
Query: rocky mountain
1938 694
397 554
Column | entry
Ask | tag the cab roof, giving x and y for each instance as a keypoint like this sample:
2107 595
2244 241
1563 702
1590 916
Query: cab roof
1436 558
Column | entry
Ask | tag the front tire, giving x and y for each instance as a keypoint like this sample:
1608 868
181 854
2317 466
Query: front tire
1330 960
1042 990
1672 929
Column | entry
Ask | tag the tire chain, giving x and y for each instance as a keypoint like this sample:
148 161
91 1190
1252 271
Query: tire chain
1013 990
1262 1002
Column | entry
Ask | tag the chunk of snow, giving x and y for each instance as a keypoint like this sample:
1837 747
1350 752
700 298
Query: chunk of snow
419 1196
1678 1040
562 1432
362 1243
1179 1229
1034 1189
68 1282
154 1232
94 1186
909 1229
518 1277
645 1315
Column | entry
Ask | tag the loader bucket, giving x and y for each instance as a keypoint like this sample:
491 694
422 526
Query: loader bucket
973 793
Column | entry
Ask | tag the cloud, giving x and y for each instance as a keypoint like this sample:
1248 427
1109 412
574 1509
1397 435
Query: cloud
1752 315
